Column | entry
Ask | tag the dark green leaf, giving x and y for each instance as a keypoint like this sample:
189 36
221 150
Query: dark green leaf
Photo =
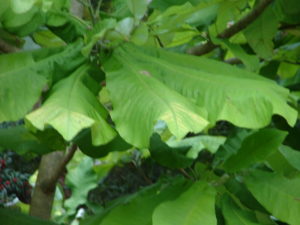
168 156
279 195
255 148
12 217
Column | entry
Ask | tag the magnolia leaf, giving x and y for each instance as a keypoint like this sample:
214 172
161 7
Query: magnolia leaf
72 107
139 207
18 71
234 215
279 195
193 207
140 100
255 148
226 92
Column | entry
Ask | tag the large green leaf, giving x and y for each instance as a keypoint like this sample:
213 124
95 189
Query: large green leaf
279 195
140 100
256 148
19 71
72 107
193 207
225 91
138 208
13 217
234 215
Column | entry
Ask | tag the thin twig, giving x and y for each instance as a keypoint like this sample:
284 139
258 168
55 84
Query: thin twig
234 29
186 174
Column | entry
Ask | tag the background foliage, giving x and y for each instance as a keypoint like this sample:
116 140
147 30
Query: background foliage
183 112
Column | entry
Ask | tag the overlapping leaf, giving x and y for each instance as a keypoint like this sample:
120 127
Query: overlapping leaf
226 92
138 208
19 71
279 195
234 215
72 107
255 148
195 206
140 100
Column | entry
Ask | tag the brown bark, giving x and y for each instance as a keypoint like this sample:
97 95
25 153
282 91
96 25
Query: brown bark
43 195
52 166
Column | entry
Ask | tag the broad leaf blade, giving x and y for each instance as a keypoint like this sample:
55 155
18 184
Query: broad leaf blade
140 100
193 207
72 107
279 195
234 215
226 92
255 148
139 207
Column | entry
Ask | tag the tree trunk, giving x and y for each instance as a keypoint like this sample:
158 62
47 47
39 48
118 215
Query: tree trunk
44 191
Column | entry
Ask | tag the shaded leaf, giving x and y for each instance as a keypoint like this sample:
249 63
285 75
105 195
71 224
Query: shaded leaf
138 208
84 142
168 156
279 195
261 32
193 207
19 139
234 215
291 155
255 148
